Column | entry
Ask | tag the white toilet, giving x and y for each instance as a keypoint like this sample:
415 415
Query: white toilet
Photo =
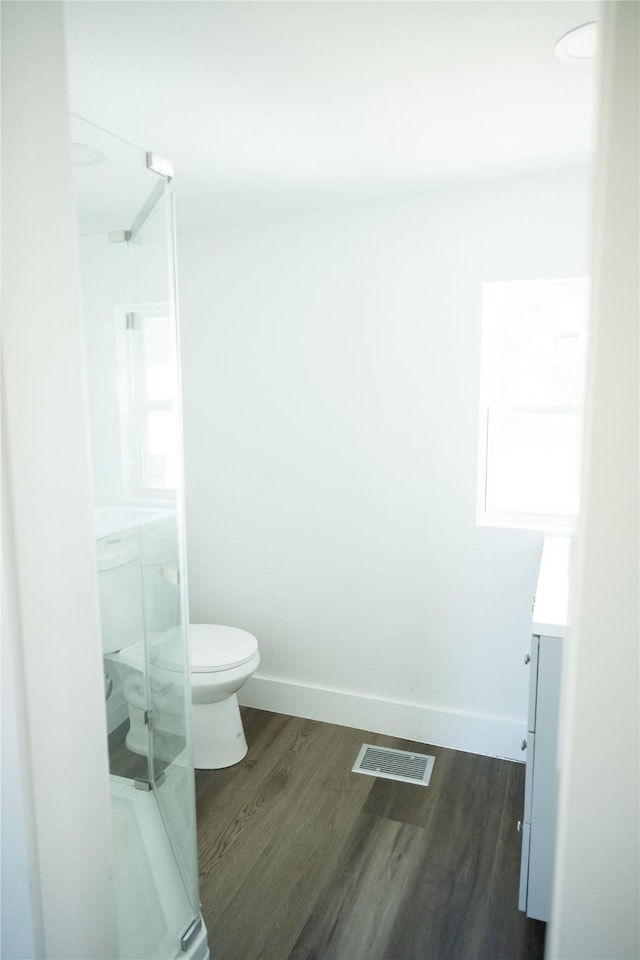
222 660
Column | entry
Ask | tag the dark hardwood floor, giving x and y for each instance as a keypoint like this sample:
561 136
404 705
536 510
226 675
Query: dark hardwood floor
133 766
300 859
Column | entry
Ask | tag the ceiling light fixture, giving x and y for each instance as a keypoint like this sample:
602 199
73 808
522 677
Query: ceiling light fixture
578 45
83 155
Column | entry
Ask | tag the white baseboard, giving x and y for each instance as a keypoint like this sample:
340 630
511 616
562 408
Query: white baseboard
473 733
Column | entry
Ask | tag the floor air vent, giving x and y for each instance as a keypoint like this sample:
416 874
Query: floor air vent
394 764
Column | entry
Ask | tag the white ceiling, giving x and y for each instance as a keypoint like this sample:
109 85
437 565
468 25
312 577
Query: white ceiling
277 105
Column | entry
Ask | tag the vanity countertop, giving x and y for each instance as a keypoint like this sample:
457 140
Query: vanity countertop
551 606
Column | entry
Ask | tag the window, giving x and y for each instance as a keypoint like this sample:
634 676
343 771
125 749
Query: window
148 395
533 355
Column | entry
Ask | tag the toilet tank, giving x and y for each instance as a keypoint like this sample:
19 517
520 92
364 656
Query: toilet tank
120 589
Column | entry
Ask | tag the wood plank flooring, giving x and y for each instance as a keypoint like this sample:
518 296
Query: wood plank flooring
300 859
133 766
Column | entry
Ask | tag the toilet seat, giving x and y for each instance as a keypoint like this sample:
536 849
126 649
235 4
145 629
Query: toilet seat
213 648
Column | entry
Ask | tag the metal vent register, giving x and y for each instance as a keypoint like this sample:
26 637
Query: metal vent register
394 764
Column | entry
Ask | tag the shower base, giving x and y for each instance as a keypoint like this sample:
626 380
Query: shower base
153 909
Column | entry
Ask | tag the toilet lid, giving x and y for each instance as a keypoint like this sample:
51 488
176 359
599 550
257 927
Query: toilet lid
214 647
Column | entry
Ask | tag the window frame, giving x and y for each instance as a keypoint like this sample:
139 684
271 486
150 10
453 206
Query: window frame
134 404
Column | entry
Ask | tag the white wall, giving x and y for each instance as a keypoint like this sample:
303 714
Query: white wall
596 909
331 364
21 912
53 649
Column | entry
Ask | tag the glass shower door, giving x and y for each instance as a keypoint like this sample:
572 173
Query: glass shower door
150 402
127 258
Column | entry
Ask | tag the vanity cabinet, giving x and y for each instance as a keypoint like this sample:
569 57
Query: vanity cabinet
544 661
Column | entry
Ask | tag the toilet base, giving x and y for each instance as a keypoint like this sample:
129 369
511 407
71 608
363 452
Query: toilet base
137 739
218 734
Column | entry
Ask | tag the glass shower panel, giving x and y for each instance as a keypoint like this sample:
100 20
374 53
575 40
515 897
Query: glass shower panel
125 227
153 417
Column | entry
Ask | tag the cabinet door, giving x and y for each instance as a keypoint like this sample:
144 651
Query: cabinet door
544 796
524 867
528 776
